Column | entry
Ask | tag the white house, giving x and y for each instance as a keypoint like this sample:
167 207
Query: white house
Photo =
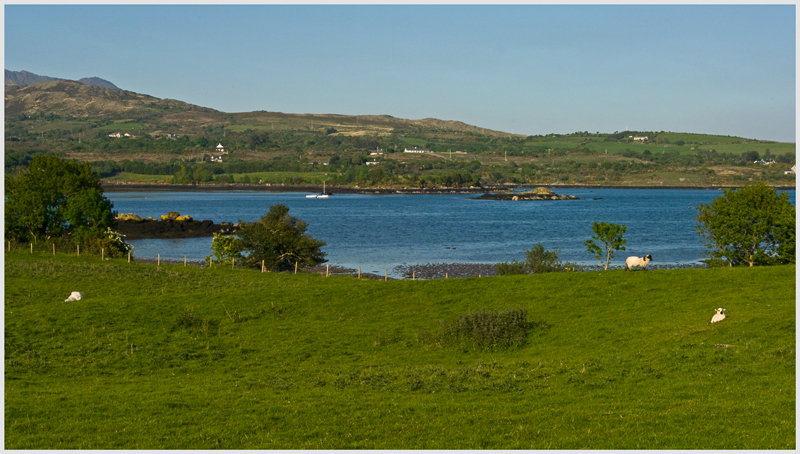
791 171
416 150
216 158
371 163
221 149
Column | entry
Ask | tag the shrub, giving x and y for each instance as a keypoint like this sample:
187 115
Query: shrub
483 330
537 260
508 268
112 243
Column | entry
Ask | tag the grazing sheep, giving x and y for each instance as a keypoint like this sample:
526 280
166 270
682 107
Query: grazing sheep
638 261
719 316
75 296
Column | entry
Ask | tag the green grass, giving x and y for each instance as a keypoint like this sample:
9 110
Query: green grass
144 178
121 125
282 177
175 357
775 148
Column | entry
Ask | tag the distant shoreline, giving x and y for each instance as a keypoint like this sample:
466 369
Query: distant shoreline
143 187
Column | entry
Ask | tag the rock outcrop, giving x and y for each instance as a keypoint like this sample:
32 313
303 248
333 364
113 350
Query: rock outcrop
535 194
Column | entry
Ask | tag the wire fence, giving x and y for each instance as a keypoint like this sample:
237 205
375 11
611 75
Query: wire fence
429 271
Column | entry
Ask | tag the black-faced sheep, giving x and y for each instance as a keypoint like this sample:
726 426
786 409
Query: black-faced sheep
638 261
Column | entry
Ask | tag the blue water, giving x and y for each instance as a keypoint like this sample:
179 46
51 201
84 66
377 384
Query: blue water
378 232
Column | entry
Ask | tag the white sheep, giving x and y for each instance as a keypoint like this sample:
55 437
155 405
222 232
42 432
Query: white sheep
630 262
74 296
719 316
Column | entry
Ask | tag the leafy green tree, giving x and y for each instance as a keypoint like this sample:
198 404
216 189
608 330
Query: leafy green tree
279 239
225 248
610 237
54 197
753 225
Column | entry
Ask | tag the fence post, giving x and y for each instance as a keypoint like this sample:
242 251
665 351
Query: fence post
129 256
54 248
9 246
413 275
184 259
211 262
262 266
159 260
359 272
445 275
232 259
327 270
79 250
102 253
295 267
385 275
31 248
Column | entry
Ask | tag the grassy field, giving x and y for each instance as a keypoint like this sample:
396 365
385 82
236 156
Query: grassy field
175 357
139 177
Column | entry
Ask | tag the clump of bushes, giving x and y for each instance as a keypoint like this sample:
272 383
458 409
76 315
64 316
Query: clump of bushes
483 330
537 260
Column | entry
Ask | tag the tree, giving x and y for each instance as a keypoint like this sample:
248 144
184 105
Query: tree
750 156
279 239
753 224
225 248
610 236
53 197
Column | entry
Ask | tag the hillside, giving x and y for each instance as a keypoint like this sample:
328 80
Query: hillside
175 357
156 137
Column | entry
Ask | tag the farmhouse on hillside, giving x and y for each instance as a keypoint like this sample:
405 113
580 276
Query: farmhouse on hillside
221 149
216 158
416 150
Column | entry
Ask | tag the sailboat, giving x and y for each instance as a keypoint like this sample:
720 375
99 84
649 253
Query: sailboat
321 195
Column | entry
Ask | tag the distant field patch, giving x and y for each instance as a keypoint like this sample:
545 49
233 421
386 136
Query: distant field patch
775 148
414 142
282 177
121 126
128 176
698 138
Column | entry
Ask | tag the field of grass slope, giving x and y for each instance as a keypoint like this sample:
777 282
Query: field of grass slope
174 357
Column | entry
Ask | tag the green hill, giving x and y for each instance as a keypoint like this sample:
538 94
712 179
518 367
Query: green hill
175 357
126 133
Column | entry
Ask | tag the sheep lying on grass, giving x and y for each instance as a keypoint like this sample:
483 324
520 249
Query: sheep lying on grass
74 296
719 316
638 261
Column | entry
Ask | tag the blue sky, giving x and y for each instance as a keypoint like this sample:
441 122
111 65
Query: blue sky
527 69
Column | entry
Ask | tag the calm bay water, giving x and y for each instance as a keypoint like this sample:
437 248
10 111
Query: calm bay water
378 232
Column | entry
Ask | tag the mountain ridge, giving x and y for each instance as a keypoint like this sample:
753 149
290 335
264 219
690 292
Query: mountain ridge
24 78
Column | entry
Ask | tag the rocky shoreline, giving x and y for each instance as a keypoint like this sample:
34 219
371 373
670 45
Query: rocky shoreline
171 229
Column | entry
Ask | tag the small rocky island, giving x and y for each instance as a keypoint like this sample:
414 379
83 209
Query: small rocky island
535 194
171 225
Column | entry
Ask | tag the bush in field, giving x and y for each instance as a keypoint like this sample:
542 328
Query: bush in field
112 243
483 330
508 268
537 260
